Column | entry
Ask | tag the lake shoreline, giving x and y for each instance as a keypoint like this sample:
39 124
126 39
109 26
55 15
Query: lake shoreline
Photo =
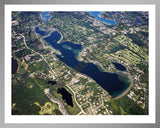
97 15
121 94
126 91
104 83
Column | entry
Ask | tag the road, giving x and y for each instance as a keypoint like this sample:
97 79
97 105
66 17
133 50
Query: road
38 54
82 111
60 105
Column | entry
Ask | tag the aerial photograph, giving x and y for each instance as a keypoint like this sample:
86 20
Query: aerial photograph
80 63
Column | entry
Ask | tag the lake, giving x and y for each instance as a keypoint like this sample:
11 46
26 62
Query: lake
97 14
45 16
111 82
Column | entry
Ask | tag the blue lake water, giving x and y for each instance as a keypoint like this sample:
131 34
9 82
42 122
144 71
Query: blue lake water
96 14
45 16
69 51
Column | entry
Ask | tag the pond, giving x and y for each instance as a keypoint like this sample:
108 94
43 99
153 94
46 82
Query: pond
52 82
66 96
119 66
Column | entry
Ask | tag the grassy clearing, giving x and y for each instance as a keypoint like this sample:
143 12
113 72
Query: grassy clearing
46 109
